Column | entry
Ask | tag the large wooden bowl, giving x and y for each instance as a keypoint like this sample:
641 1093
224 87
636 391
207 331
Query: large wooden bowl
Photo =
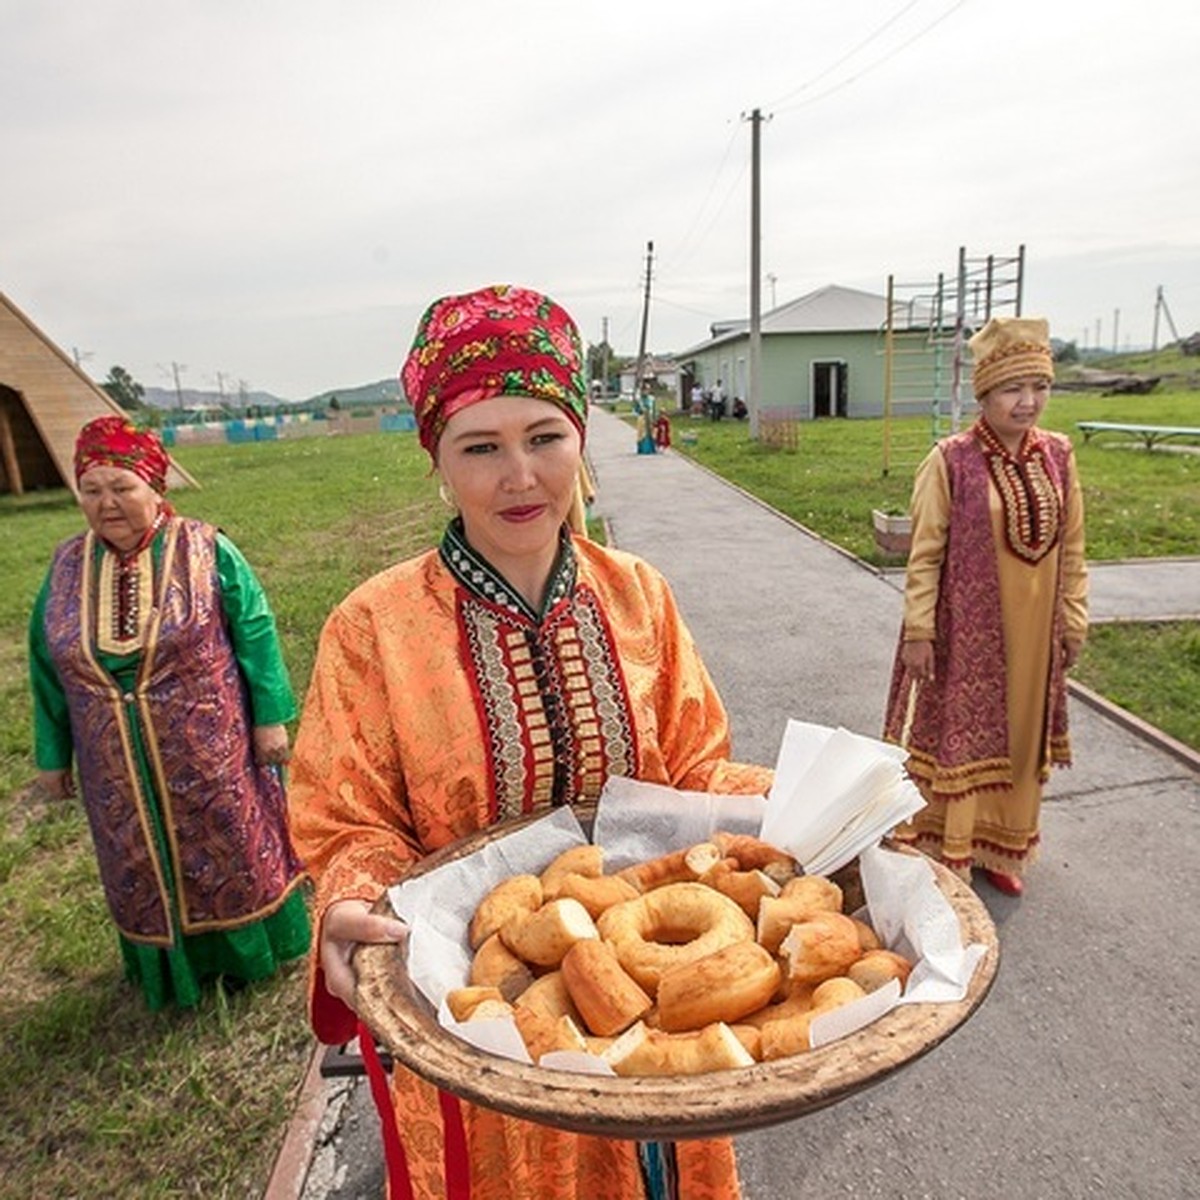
672 1107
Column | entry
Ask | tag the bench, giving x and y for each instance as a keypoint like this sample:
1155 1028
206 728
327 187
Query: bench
1148 433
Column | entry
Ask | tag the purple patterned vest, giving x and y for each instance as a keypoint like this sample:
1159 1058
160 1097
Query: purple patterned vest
958 739
186 724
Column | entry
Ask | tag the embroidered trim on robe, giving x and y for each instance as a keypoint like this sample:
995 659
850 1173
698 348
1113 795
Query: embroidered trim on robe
551 700
1031 500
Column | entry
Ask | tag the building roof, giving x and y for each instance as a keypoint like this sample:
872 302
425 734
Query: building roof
831 309
652 365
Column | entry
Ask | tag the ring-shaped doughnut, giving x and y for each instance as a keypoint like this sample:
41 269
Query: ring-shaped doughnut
675 924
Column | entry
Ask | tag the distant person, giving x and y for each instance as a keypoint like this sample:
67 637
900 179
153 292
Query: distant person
697 400
995 612
740 410
662 432
513 669
716 405
645 408
156 670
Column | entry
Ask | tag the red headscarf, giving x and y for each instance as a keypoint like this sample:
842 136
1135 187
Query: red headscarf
115 441
497 341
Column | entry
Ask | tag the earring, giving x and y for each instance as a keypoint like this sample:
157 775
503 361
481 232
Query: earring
447 496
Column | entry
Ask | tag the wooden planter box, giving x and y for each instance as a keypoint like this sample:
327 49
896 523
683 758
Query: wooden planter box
893 533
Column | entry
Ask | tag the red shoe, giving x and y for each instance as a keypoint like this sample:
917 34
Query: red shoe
1009 885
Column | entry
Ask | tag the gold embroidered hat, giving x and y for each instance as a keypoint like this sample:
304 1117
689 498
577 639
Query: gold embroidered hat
1011 348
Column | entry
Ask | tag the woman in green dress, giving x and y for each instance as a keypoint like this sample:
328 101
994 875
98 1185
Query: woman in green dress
158 679
646 410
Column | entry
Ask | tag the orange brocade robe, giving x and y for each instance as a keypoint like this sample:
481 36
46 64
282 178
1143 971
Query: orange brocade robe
437 709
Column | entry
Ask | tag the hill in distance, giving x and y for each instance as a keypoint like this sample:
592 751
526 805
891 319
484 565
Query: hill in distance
383 392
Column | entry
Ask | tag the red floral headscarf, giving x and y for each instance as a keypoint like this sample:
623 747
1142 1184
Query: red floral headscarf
116 442
497 341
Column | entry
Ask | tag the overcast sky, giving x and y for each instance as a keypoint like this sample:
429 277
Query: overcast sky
271 192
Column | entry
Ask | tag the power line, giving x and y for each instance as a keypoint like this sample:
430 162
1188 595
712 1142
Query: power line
879 62
848 55
683 241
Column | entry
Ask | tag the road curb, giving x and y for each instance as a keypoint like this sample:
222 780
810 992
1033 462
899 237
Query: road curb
295 1155
1135 724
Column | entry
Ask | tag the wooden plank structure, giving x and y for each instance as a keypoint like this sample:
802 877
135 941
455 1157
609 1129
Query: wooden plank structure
45 399
1149 434
662 1107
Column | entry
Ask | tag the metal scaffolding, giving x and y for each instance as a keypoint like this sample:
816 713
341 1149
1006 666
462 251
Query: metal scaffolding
925 339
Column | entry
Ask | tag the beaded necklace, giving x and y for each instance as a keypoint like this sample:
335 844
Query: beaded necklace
1032 505
125 593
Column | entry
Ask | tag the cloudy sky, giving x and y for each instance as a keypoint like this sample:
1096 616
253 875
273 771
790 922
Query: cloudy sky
270 191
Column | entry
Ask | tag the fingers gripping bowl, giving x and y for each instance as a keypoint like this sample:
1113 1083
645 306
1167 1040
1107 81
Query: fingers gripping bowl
661 1106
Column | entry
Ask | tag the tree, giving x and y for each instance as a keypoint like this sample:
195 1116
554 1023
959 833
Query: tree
600 355
124 389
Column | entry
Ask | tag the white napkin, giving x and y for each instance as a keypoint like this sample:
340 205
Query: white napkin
835 793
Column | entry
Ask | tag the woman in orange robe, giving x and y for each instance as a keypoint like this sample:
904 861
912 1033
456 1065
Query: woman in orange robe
512 669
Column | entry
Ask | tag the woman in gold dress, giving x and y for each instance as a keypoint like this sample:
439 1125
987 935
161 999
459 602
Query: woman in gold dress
995 612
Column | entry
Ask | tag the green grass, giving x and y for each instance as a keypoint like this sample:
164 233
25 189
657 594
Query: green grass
1139 504
1152 670
101 1097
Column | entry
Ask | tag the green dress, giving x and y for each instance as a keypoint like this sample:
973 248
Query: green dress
174 974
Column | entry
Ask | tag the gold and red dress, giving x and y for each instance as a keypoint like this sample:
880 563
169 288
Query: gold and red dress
997 581
441 704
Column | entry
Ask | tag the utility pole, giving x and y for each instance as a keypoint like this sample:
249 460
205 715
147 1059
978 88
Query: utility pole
604 357
960 341
175 369
1116 331
771 279
641 358
1160 305
754 399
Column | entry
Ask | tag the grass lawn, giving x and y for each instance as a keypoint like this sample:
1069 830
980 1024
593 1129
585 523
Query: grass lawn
101 1097
104 1099
1139 504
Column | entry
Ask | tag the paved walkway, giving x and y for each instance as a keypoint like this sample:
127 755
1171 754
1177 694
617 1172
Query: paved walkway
1076 1078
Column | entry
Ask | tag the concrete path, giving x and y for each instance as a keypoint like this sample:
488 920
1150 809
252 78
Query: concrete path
1077 1077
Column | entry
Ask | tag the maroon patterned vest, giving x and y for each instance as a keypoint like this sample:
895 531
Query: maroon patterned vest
186 728
958 736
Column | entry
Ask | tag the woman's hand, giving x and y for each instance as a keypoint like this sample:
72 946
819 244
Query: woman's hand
917 658
346 924
1070 652
56 785
271 745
